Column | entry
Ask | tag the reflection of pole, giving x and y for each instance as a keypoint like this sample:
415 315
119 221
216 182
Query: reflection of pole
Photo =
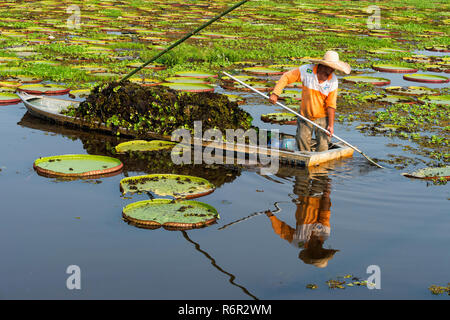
251 216
213 262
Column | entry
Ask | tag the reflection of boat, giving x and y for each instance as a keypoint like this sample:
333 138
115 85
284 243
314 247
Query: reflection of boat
51 109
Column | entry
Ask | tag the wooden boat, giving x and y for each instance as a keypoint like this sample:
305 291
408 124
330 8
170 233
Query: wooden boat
51 109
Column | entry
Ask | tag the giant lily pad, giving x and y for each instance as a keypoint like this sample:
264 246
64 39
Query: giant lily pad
430 78
178 186
430 173
395 99
77 165
155 66
443 100
145 81
43 89
280 117
144 146
241 77
186 80
189 87
393 68
411 91
258 85
195 74
264 71
80 93
366 79
8 98
170 214
292 94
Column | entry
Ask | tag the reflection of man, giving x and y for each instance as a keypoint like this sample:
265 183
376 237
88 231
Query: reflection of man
313 220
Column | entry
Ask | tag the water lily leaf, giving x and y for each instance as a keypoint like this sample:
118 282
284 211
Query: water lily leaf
170 214
430 78
264 71
280 117
77 165
430 173
8 98
189 87
143 146
411 91
366 79
195 74
443 100
178 186
43 89
393 68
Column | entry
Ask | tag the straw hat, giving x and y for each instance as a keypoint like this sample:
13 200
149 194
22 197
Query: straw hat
331 59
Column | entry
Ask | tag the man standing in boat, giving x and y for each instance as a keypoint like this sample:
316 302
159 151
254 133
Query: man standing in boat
319 95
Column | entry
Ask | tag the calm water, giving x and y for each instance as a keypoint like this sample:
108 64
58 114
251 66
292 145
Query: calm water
376 217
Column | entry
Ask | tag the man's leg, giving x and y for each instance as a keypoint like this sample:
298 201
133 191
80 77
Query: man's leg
321 137
304 132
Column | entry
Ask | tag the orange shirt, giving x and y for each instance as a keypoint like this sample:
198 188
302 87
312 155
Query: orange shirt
310 211
316 97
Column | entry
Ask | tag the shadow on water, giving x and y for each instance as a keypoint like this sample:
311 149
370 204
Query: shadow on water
213 262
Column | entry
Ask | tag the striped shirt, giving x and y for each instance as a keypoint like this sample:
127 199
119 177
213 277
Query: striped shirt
316 97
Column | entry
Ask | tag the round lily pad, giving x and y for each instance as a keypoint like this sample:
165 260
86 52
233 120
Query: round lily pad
264 71
186 80
10 84
155 213
145 82
26 79
155 66
235 98
81 93
430 78
411 91
144 146
8 98
242 78
385 51
258 85
189 87
430 173
178 186
195 74
292 94
77 165
280 117
366 79
395 99
443 100
393 68
438 49
43 89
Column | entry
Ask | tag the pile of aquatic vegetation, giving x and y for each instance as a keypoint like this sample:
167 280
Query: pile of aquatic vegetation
158 109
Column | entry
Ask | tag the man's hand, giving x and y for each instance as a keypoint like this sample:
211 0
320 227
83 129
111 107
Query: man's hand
273 98
331 130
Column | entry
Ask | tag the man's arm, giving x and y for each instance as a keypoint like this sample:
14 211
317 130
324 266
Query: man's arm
330 113
287 78
330 105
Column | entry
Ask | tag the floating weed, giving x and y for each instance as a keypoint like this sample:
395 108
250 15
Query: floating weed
437 290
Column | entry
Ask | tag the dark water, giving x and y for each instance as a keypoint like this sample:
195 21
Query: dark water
376 217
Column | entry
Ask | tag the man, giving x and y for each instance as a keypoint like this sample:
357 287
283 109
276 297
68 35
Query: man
319 94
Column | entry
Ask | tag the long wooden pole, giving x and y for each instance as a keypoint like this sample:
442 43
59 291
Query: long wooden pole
187 36
305 119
